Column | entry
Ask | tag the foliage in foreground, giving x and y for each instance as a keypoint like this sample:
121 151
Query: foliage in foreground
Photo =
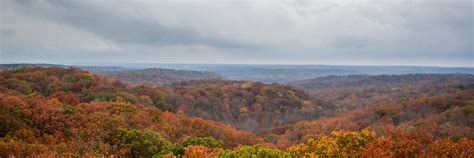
135 143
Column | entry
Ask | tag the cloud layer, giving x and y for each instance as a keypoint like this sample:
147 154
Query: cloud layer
369 32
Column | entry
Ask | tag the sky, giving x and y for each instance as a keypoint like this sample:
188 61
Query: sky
329 32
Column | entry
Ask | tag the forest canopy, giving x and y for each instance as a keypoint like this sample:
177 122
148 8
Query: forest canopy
71 112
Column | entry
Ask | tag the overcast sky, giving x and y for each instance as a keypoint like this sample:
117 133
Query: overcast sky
342 32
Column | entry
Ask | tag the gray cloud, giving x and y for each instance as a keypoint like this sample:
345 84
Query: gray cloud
111 24
422 32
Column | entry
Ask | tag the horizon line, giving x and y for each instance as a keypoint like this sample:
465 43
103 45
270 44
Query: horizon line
237 64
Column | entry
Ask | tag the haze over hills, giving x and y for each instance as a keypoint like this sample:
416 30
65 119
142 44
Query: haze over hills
237 78
258 73
289 73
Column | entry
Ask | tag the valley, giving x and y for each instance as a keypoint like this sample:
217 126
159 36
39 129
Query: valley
52 105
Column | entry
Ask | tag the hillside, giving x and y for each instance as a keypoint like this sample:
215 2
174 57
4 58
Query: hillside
357 91
48 107
156 76
69 112
440 116
246 105
249 106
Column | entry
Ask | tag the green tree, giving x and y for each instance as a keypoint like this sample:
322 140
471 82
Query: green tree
257 151
139 143
179 149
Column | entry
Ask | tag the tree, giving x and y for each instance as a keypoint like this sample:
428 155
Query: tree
254 151
138 143
449 148
338 144
179 149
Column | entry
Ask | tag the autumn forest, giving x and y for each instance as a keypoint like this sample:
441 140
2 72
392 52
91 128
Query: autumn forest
71 112
236 79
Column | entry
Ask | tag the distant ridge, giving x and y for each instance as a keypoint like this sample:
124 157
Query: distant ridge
157 76
268 73
278 73
4 67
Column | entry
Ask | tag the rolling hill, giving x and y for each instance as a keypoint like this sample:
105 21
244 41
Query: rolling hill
155 76
246 105
357 91
440 116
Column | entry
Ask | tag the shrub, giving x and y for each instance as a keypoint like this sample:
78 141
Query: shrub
254 151
469 108
179 149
